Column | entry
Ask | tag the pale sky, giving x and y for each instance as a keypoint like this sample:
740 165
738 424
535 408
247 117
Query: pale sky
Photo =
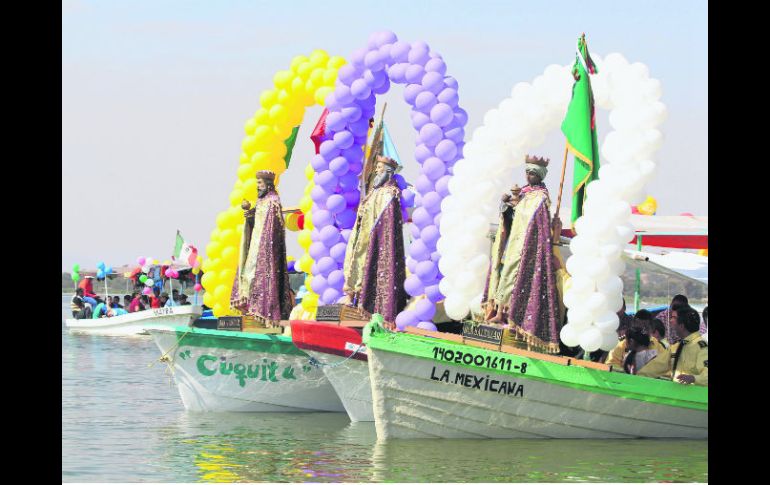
155 96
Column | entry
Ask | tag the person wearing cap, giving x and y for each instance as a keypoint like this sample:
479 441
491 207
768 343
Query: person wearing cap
375 268
526 295
261 288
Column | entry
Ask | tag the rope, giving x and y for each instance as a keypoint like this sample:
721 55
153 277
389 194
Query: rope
318 364
165 357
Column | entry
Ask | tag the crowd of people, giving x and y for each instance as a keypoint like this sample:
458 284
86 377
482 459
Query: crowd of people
90 305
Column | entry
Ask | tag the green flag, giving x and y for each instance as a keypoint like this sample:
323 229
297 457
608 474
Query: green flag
579 126
178 245
290 145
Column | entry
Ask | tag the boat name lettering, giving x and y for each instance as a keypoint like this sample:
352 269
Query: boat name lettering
162 311
478 382
478 360
265 372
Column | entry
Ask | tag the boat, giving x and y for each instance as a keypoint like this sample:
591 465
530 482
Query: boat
432 385
237 371
338 350
132 324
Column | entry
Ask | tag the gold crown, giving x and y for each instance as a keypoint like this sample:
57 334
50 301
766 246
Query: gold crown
266 175
538 160
387 161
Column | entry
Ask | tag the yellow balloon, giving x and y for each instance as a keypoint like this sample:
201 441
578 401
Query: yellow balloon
220 310
317 75
213 249
309 174
304 239
220 293
250 190
319 57
249 127
336 62
289 258
207 280
309 221
261 116
268 98
249 145
305 204
305 69
227 276
297 85
155 261
310 302
309 186
297 61
196 270
263 132
329 76
208 299
282 78
246 171
278 114
229 254
244 158
236 196
321 93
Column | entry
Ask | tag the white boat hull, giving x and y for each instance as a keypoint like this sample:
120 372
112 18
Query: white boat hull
135 323
350 380
213 378
411 400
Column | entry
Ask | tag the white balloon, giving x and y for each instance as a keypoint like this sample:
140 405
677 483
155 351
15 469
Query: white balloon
456 308
607 322
475 305
569 336
590 339
149 282
617 267
596 303
610 251
582 285
615 301
609 341
610 285
597 269
579 317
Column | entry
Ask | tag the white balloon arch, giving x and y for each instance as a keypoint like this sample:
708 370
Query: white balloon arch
497 149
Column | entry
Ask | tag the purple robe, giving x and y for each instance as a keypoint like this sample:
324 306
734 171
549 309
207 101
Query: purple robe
269 297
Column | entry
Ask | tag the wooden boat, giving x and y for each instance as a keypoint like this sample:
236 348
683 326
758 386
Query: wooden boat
223 370
339 352
432 385
136 323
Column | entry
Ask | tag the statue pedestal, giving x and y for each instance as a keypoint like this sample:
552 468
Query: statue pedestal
344 315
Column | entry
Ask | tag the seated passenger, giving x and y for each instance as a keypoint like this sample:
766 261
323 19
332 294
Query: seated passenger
78 306
127 302
644 357
100 310
617 355
136 304
116 302
114 312
165 301
691 354
658 331
183 300
155 298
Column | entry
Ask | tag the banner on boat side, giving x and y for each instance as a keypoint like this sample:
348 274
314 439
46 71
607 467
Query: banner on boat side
230 323
491 334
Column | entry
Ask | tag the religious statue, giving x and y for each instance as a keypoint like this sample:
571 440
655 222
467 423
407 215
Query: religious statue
374 260
522 281
261 287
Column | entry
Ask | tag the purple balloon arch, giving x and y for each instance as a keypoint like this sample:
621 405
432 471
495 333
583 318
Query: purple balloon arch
439 121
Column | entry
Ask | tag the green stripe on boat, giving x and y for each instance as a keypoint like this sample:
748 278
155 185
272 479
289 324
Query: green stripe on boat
232 340
591 380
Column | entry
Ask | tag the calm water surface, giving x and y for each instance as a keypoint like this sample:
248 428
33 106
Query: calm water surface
123 420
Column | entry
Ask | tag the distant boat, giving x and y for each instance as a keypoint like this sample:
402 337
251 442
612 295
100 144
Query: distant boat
131 324
232 371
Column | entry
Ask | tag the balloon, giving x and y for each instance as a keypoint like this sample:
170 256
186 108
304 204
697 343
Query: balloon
147 290
142 278
569 336
75 277
424 309
75 268
141 260
591 339
413 286
405 319
197 287
149 282
427 326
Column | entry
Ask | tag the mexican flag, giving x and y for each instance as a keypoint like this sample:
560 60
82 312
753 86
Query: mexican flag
579 126
183 251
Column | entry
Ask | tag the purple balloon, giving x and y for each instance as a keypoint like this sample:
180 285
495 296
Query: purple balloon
290 266
322 218
319 164
359 89
315 234
317 251
347 74
435 257
336 203
330 296
433 293
328 149
411 91
442 185
414 74
450 82
446 150
424 309
331 103
456 135
413 285
436 65
382 88
431 201
326 265
433 82
419 119
343 95
349 113
357 57
329 236
343 139
346 218
407 318
425 325
374 61
407 197
314 269
327 180
353 154
419 251
425 101
318 194
337 252
318 284
384 37
422 218
441 114
375 79
426 270
345 233
422 152
335 121
434 168
449 96
437 220
352 198
359 128
397 72
461 116
339 166
355 167
423 184
349 181
399 52
419 54
411 264
336 279
431 134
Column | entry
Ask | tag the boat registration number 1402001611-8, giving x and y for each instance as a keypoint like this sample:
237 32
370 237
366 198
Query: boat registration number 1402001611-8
477 360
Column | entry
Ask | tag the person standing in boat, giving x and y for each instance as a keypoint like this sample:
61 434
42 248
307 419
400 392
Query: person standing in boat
691 354
526 295
374 266
261 288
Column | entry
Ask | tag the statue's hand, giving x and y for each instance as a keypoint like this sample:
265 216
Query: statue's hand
556 228
245 205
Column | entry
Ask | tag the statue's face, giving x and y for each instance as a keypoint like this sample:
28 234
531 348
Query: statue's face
382 173
533 178
261 185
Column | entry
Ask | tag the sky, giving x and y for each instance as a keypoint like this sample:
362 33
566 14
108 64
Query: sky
155 96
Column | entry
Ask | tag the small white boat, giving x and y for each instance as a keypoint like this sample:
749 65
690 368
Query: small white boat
435 388
231 371
135 323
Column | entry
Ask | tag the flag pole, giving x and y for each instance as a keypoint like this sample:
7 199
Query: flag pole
563 171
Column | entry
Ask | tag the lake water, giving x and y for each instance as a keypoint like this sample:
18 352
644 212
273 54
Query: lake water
123 420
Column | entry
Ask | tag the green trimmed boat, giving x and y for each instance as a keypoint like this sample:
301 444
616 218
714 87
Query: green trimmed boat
425 387
219 370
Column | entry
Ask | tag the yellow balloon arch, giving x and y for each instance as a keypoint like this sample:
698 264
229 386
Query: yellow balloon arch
308 81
